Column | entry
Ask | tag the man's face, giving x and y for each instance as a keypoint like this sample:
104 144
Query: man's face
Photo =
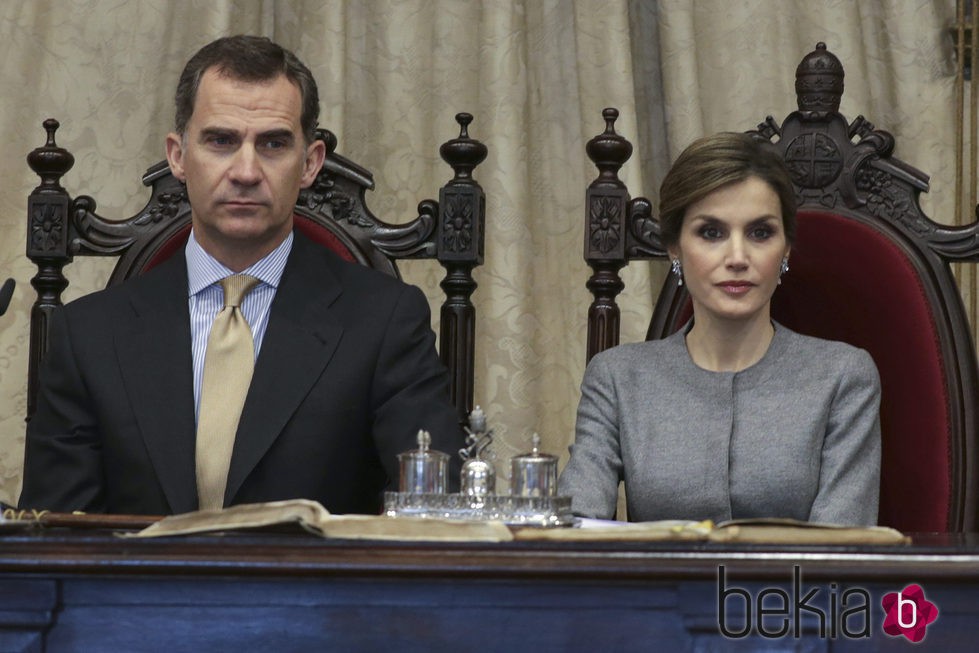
244 159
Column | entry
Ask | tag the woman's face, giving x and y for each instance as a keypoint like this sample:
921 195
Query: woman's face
731 247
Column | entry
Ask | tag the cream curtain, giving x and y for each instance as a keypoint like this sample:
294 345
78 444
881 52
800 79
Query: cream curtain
534 73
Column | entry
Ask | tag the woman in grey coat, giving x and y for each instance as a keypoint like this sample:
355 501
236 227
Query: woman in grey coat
734 416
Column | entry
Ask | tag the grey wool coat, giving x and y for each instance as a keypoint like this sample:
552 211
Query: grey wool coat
795 435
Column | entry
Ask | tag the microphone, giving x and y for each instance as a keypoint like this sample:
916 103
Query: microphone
5 294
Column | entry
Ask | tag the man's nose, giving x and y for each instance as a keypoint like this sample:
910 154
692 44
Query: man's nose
246 169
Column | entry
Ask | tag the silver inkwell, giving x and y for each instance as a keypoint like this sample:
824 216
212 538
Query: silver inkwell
532 500
423 471
534 474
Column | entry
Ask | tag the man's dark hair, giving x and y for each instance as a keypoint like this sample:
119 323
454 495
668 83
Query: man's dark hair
247 59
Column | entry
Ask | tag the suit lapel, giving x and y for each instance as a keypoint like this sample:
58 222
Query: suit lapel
154 353
299 342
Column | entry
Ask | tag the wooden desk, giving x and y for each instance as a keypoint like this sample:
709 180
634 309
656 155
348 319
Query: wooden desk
89 590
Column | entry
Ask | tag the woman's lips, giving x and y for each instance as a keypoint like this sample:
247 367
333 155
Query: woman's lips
735 287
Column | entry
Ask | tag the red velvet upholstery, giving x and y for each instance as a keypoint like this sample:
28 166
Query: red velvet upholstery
320 234
847 282
312 230
169 248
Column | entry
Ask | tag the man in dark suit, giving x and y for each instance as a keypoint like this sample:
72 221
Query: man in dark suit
345 368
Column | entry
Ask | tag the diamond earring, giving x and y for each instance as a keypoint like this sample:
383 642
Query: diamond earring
677 269
783 269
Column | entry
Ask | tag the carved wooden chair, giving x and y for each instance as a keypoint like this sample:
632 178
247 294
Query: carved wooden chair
332 212
868 268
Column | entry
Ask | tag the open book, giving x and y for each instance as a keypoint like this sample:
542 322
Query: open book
313 517
754 531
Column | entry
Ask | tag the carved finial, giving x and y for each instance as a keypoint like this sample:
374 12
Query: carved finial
463 153
51 126
50 162
609 150
424 440
611 114
819 81
464 119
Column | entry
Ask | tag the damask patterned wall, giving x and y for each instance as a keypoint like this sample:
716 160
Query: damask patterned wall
536 75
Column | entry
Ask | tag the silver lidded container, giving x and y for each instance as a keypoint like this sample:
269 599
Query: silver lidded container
533 474
478 478
423 471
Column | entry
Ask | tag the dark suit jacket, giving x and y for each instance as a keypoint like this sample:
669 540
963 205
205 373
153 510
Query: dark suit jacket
346 377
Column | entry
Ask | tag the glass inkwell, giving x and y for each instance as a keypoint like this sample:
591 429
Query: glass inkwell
534 474
423 471
532 501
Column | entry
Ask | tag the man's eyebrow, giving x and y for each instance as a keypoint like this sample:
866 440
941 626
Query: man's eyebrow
218 131
278 133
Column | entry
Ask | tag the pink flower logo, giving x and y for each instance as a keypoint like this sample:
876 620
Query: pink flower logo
908 613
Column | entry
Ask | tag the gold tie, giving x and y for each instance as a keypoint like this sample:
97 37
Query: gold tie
228 365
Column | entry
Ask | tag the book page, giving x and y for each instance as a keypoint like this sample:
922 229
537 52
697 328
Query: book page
312 516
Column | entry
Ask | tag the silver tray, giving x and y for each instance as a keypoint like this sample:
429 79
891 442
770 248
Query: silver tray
545 512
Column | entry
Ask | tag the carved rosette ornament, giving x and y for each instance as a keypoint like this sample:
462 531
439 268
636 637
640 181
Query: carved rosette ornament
607 197
47 230
605 222
606 232
47 205
462 204
457 222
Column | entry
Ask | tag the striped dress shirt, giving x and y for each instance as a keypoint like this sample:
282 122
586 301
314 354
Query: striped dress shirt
206 299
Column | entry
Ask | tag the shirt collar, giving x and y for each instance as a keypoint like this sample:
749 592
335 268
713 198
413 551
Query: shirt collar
204 270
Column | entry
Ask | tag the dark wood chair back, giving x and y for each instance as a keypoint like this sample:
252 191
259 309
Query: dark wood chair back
332 212
868 268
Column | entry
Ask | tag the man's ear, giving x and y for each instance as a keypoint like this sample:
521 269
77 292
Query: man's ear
175 156
315 155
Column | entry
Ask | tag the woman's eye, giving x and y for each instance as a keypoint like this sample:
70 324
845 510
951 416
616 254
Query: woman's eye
761 233
710 233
